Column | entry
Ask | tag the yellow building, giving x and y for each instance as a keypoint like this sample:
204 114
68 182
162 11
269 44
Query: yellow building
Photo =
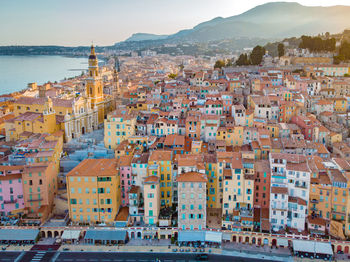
273 129
213 170
163 161
48 115
93 189
118 127
32 122
340 105
231 135
94 88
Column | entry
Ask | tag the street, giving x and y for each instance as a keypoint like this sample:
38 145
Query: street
142 257
8 256
49 256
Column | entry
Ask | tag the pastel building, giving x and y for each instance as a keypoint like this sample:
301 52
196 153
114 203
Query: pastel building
151 199
192 187
93 190
125 178
162 161
119 126
39 188
11 190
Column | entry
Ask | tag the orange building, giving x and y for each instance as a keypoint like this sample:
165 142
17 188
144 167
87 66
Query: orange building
39 188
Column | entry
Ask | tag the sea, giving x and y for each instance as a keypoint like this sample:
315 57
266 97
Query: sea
17 71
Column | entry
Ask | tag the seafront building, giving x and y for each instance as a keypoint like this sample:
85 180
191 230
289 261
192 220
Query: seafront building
259 150
94 192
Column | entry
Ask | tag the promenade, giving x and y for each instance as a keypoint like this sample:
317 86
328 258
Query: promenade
170 249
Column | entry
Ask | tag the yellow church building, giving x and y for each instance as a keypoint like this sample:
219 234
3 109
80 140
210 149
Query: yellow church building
75 116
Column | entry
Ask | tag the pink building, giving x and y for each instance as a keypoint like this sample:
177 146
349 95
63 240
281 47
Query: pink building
306 125
11 190
125 178
301 85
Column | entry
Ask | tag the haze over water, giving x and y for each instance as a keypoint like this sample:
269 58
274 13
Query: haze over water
17 71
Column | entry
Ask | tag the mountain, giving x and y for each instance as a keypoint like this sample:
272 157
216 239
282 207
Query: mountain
270 20
145 37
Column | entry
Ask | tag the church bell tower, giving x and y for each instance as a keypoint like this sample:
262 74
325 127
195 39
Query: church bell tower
94 88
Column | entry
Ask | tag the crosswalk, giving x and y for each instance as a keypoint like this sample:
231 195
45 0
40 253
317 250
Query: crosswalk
38 256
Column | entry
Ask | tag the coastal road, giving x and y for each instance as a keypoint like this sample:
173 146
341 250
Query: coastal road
8 256
67 256
141 257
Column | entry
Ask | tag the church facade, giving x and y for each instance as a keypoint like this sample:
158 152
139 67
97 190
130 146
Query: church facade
75 116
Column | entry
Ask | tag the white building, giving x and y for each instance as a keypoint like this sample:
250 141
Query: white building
289 196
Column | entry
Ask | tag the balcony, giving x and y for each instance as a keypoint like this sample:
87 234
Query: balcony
314 201
35 200
340 213
13 201
300 186
278 174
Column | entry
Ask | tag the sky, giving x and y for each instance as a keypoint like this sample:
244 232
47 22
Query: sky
105 22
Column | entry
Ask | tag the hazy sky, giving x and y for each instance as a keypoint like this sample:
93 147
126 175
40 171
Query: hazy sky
78 22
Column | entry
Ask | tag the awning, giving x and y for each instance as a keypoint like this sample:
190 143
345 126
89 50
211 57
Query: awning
189 236
18 234
213 237
303 246
116 235
312 247
282 242
323 248
70 234
226 236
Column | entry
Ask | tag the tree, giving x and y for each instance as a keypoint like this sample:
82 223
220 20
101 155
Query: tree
316 44
219 64
229 62
257 55
344 50
242 60
172 76
280 49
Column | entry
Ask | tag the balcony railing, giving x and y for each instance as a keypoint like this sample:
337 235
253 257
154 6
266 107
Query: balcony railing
35 200
12 201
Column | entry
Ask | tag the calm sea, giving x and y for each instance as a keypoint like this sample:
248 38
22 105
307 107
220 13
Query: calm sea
17 71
